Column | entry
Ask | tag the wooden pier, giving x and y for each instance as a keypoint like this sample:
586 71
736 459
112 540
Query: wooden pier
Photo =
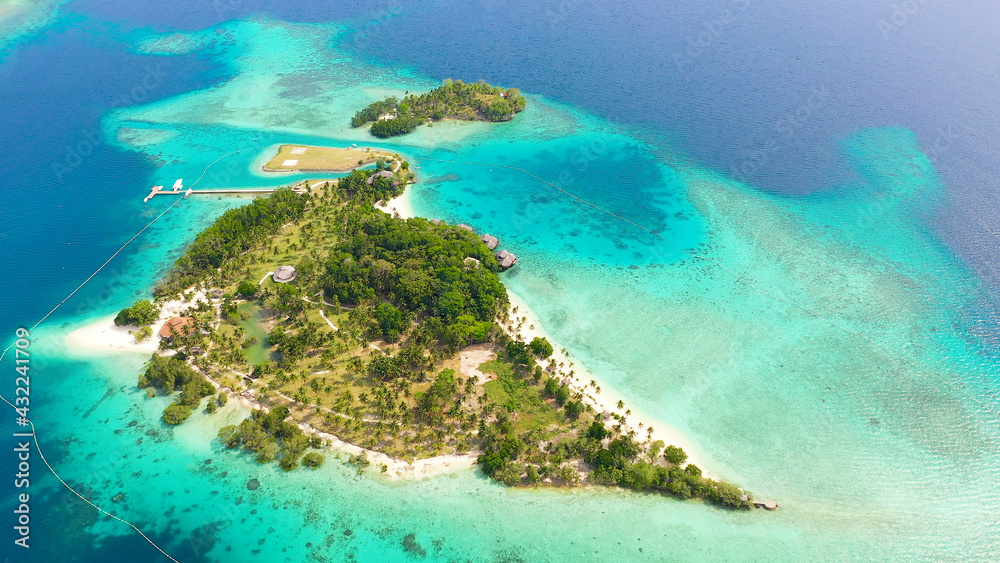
765 503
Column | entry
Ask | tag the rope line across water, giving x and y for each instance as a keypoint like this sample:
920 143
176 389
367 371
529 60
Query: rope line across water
34 435
724 268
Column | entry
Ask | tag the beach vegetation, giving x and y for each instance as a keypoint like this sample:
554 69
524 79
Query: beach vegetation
617 465
169 375
143 333
176 413
674 455
268 435
313 460
452 100
541 347
142 312
365 342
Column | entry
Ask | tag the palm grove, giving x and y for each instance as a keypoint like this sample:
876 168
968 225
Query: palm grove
364 345
452 100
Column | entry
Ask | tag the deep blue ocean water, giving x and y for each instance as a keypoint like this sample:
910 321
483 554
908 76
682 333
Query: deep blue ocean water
770 95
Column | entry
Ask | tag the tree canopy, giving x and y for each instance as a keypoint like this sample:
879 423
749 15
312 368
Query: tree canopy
415 269
236 231
451 100
142 312
170 375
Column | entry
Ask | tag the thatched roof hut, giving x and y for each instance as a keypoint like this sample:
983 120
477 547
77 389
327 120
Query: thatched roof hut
283 274
382 174
491 241
506 259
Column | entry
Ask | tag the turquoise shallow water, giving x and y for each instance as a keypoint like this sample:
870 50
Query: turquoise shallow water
816 349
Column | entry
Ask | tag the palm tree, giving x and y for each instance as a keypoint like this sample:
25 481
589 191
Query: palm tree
621 404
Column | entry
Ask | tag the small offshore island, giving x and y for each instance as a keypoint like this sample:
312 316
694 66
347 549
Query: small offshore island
452 100
340 322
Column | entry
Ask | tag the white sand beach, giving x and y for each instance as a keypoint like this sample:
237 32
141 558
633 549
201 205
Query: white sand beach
395 468
607 399
102 335
400 206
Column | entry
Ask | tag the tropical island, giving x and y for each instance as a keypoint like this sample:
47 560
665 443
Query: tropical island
452 100
338 321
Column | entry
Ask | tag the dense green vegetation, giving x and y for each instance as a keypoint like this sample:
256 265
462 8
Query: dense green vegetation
452 100
235 232
540 347
356 185
142 312
169 375
400 125
415 271
271 437
619 464
363 344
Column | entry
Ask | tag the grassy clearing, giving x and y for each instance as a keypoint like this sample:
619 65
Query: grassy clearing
325 158
519 395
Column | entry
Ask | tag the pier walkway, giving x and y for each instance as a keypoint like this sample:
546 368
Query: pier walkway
158 190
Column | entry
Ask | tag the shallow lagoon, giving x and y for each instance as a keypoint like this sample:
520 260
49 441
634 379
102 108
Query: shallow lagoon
814 348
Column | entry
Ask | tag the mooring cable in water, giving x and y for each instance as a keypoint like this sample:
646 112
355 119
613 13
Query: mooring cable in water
34 435
736 276
721 266
205 171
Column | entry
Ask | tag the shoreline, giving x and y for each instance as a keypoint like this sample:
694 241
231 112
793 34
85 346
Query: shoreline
396 469
400 206
102 334
608 398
